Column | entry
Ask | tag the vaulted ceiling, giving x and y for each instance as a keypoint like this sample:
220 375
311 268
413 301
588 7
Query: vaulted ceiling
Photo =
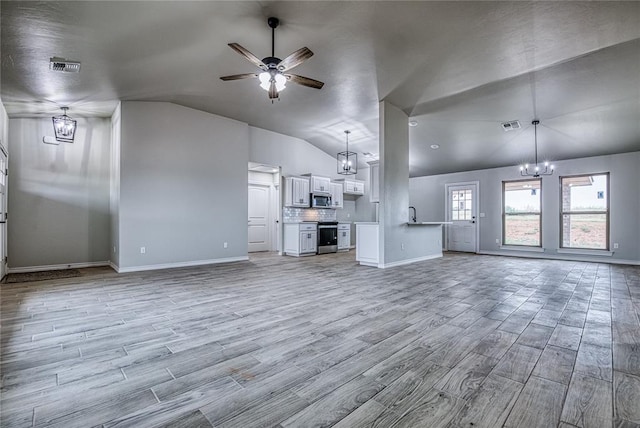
459 69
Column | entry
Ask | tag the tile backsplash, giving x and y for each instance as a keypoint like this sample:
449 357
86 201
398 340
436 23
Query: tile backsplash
307 214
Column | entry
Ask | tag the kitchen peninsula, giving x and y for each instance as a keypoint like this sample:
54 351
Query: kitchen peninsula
423 239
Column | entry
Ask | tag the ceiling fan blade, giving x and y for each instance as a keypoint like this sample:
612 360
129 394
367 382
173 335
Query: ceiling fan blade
273 92
295 59
239 76
248 55
304 81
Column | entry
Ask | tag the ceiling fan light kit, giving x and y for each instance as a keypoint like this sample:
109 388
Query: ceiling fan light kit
537 171
347 161
273 78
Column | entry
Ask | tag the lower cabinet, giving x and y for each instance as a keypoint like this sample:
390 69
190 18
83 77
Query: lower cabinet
300 239
344 236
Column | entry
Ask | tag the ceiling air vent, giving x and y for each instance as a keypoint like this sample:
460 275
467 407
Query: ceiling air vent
511 126
61 64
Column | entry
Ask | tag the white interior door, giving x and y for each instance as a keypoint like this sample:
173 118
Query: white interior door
259 224
3 208
462 203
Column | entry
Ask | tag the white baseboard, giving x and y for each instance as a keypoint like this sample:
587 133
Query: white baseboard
114 266
409 261
179 264
56 267
569 257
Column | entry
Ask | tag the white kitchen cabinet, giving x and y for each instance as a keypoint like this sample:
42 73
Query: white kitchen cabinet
300 239
352 187
336 195
374 179
358 187
319 184
296 192
308 242
344 236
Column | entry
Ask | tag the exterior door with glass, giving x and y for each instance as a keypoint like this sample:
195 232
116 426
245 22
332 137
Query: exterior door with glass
462 233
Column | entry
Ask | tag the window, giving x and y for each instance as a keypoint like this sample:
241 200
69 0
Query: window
584 221
461 204
521 213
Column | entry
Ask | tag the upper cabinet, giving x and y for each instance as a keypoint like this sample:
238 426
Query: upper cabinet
374 179
296 192
319 184
352 186
336 195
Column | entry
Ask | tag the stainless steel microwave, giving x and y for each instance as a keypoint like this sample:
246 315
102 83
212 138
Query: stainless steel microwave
320 201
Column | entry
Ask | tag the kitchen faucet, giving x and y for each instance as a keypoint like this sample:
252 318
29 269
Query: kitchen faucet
415 214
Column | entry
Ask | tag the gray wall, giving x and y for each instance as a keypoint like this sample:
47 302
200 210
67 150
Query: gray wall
427 194
183 186
59 195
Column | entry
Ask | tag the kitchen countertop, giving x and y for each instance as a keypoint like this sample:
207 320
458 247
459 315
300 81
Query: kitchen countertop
428 223
420 223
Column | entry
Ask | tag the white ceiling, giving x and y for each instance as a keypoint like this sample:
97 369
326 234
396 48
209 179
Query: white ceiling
458 68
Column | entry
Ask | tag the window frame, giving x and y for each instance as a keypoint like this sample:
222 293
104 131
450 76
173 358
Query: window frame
504 214
607 213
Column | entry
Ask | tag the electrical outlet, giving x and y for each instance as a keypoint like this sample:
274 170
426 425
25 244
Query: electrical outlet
224 245
497 240
143 250
482 215
114 249
615 245
402 247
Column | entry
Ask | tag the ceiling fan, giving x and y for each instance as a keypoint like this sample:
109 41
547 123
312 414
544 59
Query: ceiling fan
274 76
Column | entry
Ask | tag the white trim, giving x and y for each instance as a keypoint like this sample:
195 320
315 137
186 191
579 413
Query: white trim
114 266
585 252
182 264
42 268
523 248
261 183
409 261
576 258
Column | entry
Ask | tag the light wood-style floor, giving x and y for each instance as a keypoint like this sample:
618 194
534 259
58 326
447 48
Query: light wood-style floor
461 341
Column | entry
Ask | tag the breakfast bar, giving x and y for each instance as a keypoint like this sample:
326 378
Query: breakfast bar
420 241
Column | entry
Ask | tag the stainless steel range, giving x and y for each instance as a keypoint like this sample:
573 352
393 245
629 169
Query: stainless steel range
327 237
